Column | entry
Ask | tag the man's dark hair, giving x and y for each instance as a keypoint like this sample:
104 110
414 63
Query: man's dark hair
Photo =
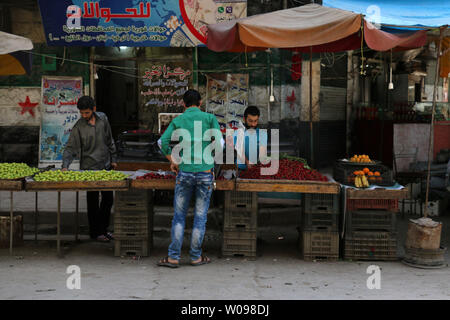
192 98
251 110
85 102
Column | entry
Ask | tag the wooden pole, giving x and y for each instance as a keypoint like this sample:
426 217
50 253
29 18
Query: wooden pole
11 223
58 227
36 217
91 73
76 215
310 108
433 111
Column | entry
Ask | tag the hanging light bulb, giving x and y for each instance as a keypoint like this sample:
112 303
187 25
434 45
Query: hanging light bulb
391 84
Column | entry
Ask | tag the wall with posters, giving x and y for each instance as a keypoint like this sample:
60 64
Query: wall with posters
227 98
59 113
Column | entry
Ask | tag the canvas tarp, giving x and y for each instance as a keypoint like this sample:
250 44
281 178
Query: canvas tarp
307 27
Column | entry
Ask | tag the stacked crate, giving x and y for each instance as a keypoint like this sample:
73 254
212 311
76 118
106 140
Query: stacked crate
240 224
5 231
370 231
319 237
133 223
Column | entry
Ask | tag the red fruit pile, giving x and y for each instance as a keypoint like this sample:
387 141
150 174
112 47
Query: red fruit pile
151 175
287 170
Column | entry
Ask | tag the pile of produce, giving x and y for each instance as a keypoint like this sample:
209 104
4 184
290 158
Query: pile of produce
88 175
363 177
288 170
153 175
16 170
363 158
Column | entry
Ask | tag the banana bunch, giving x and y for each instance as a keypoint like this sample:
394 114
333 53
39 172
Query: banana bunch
361 181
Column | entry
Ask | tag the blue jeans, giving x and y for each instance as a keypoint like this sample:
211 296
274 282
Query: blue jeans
187 184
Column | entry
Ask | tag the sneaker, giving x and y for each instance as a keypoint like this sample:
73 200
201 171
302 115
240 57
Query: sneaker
102 238
109 235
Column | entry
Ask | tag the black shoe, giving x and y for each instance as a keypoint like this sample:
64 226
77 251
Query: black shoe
109 235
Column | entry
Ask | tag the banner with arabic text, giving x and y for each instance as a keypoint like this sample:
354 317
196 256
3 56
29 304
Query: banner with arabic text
134 23
59 113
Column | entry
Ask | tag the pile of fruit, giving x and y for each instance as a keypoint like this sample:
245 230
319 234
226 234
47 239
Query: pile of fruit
287 170
364 158
88 175
363 177
153 175
16 170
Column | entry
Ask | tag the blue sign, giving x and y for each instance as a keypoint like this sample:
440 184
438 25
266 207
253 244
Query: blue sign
155 23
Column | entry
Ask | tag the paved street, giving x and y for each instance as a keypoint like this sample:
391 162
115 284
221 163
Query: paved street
34 271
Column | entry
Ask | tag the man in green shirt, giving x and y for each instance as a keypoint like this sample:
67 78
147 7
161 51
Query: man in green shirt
195 174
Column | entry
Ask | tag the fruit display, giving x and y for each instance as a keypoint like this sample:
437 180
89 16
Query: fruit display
364 158
87 175
287 170
363 178
288 157
16 170
154 175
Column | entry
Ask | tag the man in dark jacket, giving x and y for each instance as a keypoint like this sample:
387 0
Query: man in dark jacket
91 140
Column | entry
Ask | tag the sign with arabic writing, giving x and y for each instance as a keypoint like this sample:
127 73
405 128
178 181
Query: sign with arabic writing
143 23
161 87
59 112
227 98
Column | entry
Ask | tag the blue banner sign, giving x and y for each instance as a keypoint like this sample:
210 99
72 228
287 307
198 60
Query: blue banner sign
131 23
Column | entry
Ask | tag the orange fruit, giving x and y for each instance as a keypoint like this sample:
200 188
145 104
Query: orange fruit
366 170
355 173
370 173
377 174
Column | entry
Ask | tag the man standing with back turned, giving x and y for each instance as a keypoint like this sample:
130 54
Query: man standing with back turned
194 177
91 139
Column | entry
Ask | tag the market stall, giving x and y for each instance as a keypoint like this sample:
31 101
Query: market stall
57 180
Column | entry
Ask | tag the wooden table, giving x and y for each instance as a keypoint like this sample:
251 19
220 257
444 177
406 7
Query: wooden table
164 184
262 185
378 193
11 186
122 185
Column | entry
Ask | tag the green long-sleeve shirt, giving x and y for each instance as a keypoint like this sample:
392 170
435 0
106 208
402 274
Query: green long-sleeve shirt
94 142
195 137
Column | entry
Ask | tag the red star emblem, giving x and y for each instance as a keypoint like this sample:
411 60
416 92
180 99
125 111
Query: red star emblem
291 99
28 106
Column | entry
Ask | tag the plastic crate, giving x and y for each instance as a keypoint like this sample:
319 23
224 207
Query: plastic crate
133 196
5 229
132 247
371 220
125 200
319 245
241 201
240 219
317 221
344 174
380 204
316 202
372 246
239 243
132 226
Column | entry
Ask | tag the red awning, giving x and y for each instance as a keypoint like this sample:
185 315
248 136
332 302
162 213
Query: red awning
305 26
381 40
298 29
